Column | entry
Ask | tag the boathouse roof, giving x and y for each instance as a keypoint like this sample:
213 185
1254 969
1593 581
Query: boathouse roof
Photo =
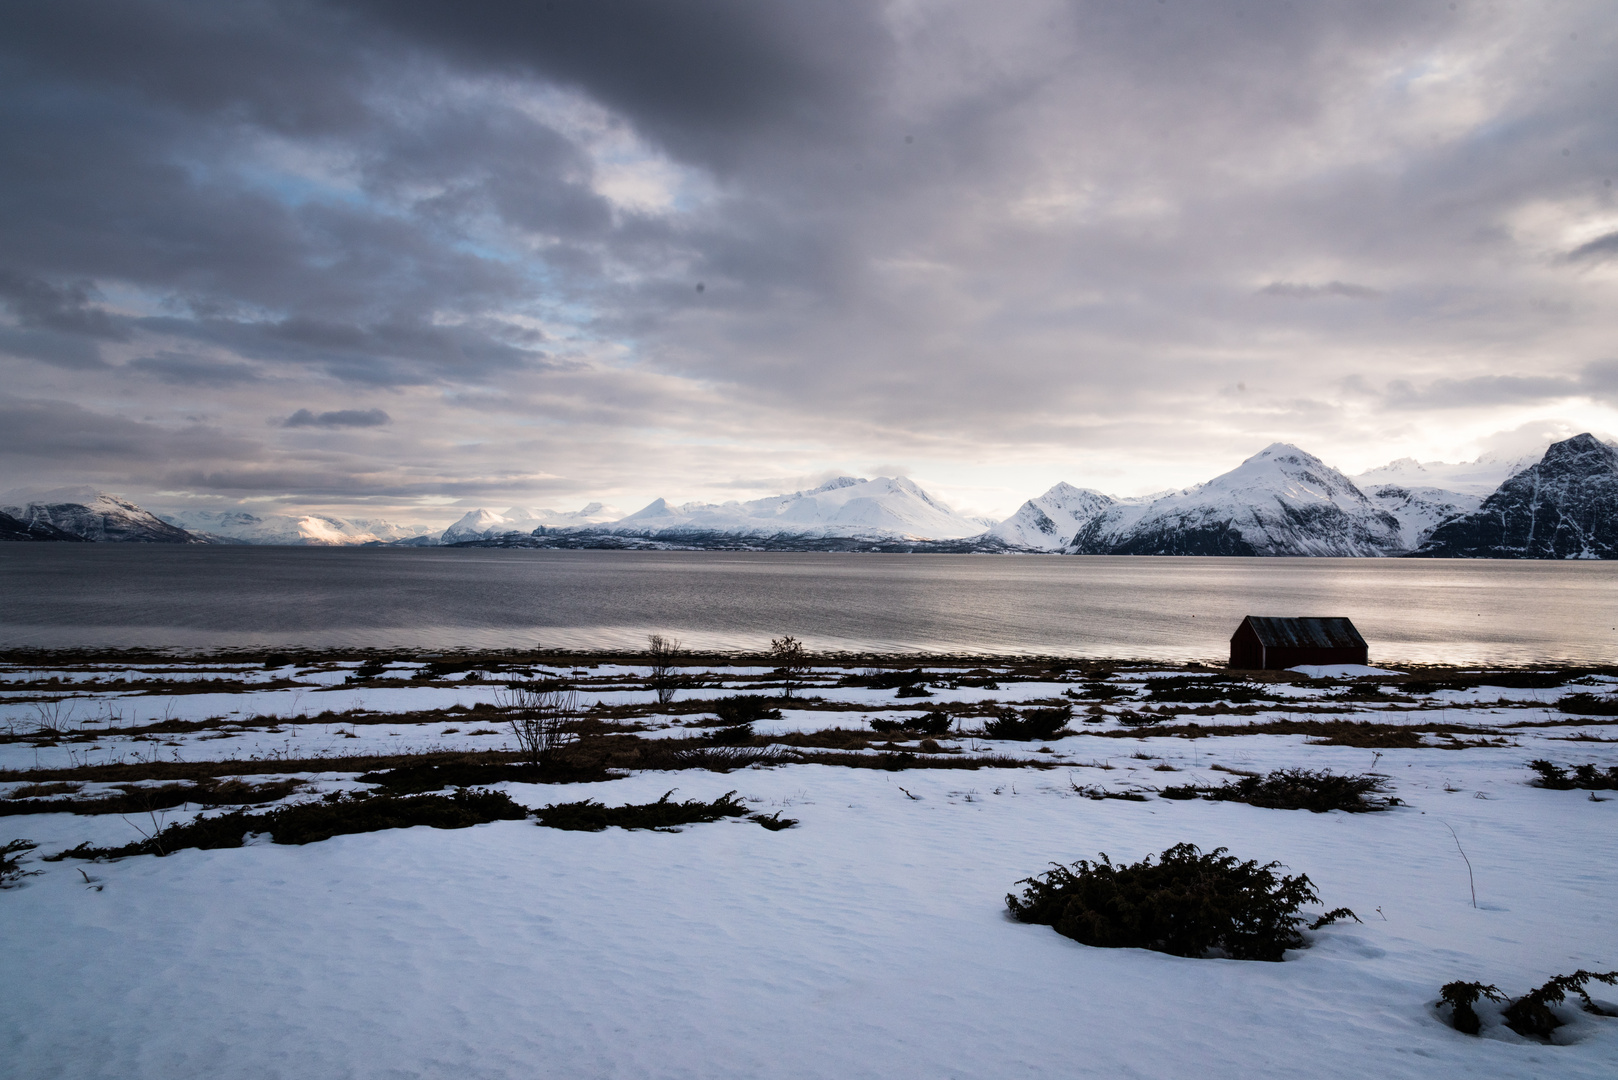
1305 633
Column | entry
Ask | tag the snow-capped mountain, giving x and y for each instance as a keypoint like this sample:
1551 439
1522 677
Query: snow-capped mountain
1280 501
1563 507
483 524
237 526
883 508
1050 522
92 515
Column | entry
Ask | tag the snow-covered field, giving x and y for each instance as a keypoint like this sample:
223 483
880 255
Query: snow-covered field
870 940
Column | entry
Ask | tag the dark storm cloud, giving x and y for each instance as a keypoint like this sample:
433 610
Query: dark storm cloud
339 418
1051 225
701 76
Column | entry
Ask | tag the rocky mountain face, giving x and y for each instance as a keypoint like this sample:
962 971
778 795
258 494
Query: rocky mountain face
95 515
11 529
1280 501
1565 507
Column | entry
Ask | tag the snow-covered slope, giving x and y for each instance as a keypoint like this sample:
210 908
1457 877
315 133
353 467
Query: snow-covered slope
93 515
1420 510
305 530
483 524
1280 501
1479 477
887 507
1422 495
1050 522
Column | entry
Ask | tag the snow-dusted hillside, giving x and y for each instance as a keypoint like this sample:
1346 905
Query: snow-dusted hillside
1050 522
285 529
886 507
1280 501
93 515
483 524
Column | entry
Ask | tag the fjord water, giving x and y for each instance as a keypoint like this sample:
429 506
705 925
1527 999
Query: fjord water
212 598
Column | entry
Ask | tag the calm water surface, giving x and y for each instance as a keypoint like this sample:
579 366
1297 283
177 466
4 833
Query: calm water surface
64 596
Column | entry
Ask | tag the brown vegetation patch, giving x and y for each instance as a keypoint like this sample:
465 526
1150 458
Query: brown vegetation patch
1325 732
207 791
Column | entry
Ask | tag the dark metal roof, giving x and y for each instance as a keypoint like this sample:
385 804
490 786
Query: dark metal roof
1305 633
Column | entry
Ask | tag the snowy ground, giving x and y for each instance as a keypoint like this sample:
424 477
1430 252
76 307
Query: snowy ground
870 940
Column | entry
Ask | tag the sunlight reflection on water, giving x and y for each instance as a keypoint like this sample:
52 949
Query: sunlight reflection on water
1439 611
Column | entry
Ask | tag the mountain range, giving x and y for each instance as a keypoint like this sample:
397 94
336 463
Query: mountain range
1280 501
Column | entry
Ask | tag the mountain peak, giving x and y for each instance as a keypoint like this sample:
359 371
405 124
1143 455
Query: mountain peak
837 484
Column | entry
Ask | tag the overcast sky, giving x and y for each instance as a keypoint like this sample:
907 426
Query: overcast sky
401 257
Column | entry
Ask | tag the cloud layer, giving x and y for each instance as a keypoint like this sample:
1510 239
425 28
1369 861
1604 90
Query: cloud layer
410 254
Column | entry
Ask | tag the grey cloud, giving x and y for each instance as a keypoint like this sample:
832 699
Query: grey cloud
1598 380
340 418
59 350
37 303
184 369
1602 247
71 437
1484 390
1297 291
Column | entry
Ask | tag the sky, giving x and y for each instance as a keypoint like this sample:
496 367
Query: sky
402 258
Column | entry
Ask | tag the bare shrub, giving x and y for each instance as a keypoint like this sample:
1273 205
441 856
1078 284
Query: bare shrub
543 718
51 720
663 680
791 659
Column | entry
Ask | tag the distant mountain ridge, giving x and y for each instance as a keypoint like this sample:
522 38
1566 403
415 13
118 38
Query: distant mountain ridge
487 525
886 508
1281 501
240 527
